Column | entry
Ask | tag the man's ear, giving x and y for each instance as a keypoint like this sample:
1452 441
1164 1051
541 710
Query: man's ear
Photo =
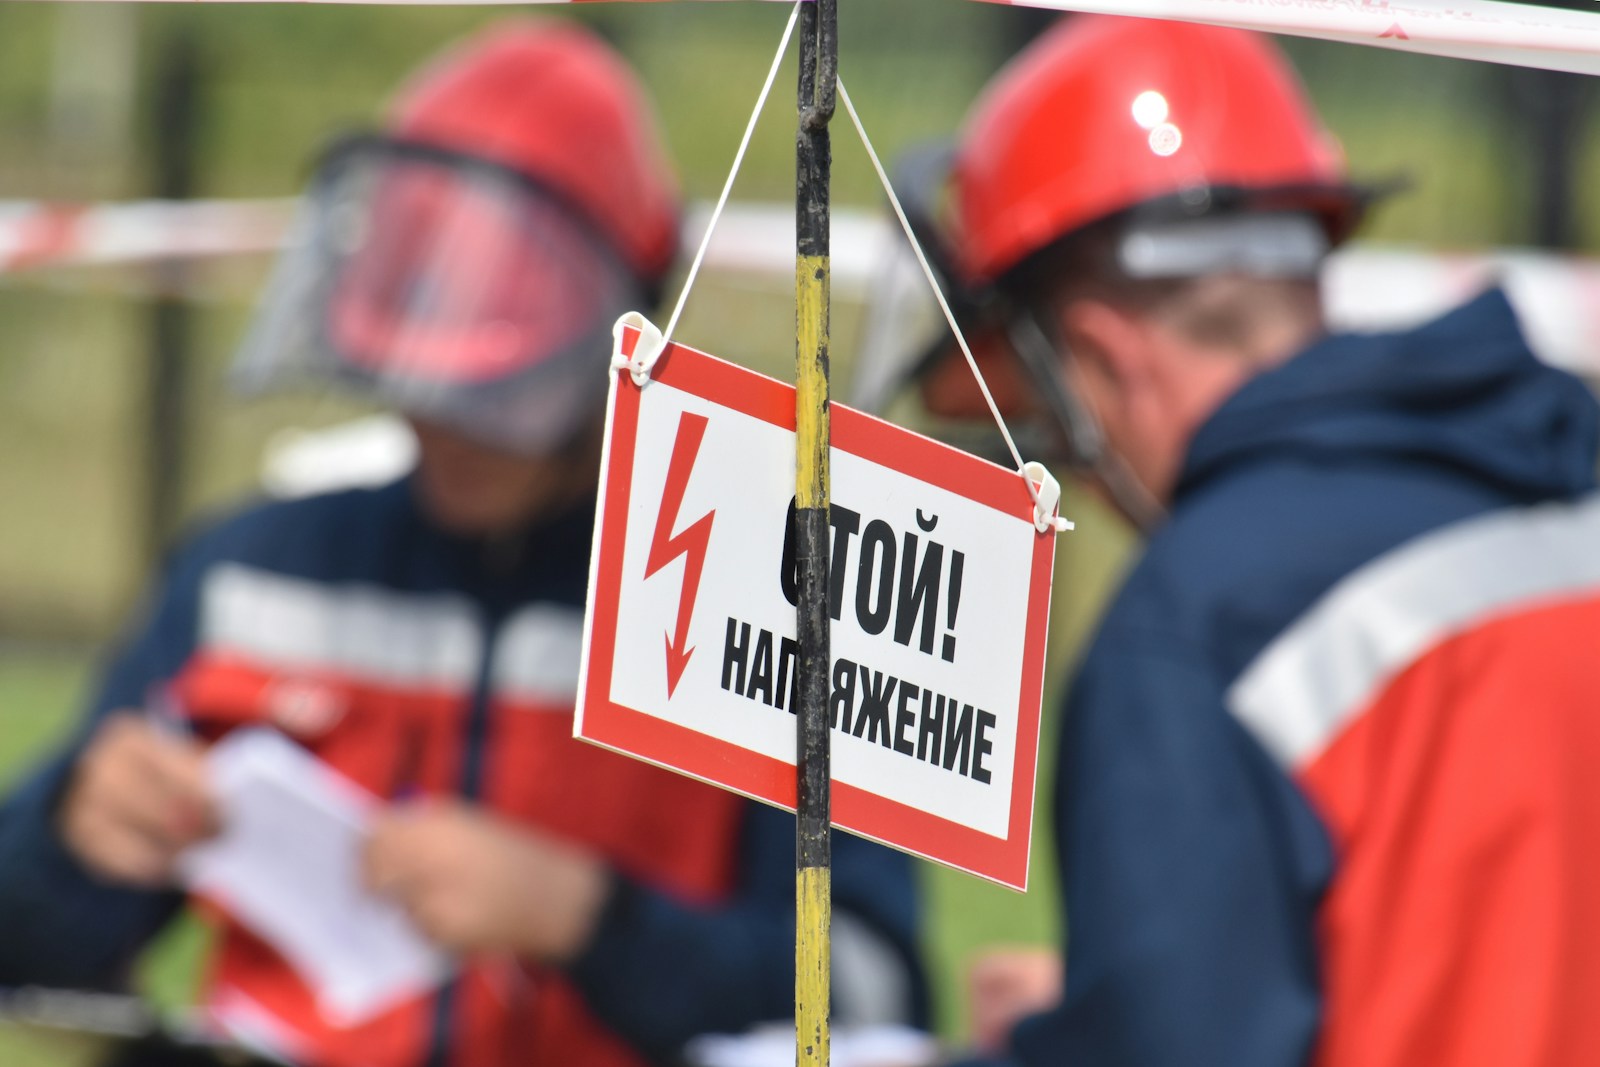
1111 341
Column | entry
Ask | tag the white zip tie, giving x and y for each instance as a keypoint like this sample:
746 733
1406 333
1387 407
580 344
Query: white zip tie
1043 488
651 341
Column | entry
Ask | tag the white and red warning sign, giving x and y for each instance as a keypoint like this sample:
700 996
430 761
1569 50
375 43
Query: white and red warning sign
939 586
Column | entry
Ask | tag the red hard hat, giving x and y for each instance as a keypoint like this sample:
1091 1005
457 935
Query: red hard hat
467 266
551 101
1105 113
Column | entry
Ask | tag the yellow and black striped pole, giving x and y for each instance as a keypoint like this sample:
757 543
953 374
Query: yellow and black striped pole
819 66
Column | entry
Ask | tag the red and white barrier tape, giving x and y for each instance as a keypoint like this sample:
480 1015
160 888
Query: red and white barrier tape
36 235
1524 35
40 235
1367 286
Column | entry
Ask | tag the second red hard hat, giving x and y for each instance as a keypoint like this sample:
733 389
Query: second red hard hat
466 265
553 102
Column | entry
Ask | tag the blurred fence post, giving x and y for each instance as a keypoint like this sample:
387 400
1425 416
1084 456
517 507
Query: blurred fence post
173 120
1550 107
1023 24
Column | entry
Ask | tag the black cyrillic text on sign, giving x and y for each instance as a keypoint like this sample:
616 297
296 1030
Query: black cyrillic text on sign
890 577
880 708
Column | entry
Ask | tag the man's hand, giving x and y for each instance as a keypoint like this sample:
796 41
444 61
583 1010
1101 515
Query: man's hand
137 798
474 883
1004 986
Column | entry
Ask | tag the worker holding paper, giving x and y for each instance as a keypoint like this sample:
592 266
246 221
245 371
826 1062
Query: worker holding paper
422 639
1326 789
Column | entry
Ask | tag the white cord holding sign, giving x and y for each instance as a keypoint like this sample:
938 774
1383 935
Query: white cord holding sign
1042 485
652 341
1043 488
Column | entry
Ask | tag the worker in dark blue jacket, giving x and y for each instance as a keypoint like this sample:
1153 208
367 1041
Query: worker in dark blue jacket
1326 790
423 638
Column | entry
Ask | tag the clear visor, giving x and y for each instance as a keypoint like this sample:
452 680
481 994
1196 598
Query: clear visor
450 289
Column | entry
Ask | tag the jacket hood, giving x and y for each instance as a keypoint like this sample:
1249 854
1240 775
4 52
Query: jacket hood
1464 391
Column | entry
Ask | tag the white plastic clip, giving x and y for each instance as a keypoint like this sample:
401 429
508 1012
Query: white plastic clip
1046 493
646 350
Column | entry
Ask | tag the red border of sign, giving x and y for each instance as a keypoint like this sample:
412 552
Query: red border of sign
760 776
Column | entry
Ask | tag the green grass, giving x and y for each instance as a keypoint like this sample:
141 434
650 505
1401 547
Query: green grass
36 1048
39 692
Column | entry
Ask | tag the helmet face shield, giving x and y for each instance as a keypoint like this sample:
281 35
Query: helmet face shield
449 288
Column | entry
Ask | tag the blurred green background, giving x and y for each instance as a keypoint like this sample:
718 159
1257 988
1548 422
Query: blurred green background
81 114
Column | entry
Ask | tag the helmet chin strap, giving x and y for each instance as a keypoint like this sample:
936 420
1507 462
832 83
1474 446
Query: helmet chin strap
1085 440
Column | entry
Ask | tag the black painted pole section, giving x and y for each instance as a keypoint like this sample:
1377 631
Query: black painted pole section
819 65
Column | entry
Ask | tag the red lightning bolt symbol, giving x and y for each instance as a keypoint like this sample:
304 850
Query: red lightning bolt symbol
690 544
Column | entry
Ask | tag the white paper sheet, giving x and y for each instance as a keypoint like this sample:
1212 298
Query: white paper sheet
287 865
